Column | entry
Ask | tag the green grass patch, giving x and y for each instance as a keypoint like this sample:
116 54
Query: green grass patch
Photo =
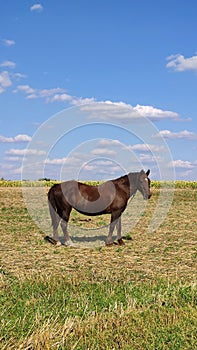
103 315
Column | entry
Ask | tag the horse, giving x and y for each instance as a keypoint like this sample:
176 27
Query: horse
110 197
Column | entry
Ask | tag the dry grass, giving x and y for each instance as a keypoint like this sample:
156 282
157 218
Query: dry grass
168 252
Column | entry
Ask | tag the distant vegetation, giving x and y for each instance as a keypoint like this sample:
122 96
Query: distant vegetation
49 182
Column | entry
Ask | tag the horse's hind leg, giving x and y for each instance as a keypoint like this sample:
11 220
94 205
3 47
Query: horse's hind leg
55 218
64 224
55 227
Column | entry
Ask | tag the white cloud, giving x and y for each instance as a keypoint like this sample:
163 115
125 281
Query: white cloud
19 75
61 97
22 152
103 152
37 7
17 171
13 159
137 147
49 92
8 64
64 160
88 167
107 142
56 161
6 166
50 95
97 164
107 110
103 162
179 63
187 173
5 81
31 96
144 147
182 164
185 134
150 158
104 110
96 168
155 113
24 88
78 101
17 138
8 42
5 76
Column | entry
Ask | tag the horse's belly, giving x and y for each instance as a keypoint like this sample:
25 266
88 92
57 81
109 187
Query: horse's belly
96 207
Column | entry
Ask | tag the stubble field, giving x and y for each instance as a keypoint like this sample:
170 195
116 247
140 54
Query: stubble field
142 295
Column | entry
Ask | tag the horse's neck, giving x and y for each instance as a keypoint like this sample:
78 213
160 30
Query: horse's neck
133 179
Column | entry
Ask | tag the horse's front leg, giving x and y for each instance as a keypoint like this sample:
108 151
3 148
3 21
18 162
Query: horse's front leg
119 229
111 230
115 216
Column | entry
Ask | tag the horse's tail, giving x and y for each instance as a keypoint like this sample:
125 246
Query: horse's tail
53 206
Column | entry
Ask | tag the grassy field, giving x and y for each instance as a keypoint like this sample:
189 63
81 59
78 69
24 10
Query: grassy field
139 296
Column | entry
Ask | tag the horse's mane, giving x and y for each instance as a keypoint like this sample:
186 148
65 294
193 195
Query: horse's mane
127 176
124 177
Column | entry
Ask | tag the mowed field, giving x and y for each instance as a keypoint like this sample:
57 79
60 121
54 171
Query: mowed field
142 295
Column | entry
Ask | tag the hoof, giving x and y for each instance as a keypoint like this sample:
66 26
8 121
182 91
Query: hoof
52 241
69 243
121 242
127 237
110 244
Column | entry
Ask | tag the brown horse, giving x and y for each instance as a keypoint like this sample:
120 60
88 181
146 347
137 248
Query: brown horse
111 197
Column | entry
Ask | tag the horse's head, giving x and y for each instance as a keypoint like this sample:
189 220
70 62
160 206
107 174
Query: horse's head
144 184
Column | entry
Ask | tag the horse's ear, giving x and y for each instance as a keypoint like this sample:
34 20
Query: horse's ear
148 172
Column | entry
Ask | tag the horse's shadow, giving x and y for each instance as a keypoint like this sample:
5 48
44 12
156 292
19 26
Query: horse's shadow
92 239
84 239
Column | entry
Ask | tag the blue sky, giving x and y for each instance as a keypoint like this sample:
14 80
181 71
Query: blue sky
107 62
